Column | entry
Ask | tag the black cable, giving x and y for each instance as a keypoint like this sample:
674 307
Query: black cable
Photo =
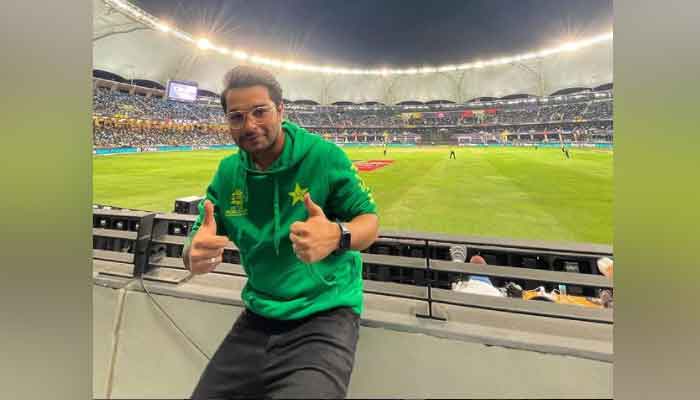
160 308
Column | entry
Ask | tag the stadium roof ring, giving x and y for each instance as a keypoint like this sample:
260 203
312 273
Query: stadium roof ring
158 53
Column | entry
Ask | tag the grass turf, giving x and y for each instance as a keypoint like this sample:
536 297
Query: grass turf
499 192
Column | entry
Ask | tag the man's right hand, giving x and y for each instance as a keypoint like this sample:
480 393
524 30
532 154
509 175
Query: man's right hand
207 247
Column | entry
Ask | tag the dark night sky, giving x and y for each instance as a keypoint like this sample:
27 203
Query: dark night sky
386 33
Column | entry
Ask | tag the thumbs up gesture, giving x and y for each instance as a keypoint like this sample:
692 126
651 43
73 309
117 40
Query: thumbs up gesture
207 247
314 239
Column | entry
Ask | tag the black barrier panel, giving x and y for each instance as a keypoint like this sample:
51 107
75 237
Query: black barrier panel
420 277
383 249
407 275
414 251
392 261
187 205
404 248
231 257
573 265
179 229
173 250
100 221
99 243
406 266
440 252
142 252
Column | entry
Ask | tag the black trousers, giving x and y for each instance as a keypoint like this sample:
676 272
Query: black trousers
452 155
308 358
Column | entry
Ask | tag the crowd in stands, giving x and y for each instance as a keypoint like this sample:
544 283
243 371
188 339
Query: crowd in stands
129 137
110 103
521 119
521 114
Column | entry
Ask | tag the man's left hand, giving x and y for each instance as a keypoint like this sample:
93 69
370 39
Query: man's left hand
314 239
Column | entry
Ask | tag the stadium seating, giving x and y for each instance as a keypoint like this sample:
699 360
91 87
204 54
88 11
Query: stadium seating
123 119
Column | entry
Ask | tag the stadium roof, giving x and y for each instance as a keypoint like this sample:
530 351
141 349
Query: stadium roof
133 44
412 34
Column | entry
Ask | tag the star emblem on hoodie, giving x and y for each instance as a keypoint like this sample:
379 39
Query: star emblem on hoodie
298 194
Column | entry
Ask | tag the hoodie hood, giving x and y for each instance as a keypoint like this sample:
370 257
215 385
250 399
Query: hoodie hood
296 145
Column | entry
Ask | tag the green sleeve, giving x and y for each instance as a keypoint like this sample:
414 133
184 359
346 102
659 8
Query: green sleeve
349 196
212 195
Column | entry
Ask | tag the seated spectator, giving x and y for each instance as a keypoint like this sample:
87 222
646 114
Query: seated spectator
478 284
605 266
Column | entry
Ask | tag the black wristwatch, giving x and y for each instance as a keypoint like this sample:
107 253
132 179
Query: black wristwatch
345 239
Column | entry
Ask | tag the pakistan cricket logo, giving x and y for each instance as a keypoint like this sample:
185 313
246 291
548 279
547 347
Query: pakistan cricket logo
298 194
237 207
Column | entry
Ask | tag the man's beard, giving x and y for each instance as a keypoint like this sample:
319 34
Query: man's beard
268 147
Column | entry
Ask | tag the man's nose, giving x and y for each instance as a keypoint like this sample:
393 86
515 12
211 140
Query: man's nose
249 123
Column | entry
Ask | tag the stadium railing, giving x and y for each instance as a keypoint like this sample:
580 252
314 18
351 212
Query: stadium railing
412 266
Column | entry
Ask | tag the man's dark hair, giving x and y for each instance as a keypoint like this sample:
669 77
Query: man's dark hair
244 76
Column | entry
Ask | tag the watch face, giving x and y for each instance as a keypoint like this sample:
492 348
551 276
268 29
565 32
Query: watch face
345 237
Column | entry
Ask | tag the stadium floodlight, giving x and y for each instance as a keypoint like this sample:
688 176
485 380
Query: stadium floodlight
119 3
163 28
427 70
527 56
272 63
222 50
505 60
292 66
546 52
447 68
204 44
182 36
570 46
479 64
411 71
242 55
255 59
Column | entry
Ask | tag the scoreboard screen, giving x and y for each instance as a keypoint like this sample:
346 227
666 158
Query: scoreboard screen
182 91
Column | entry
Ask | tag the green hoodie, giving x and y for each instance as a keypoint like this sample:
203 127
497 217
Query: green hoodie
255 209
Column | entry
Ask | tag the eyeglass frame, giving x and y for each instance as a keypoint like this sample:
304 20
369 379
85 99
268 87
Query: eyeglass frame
257 121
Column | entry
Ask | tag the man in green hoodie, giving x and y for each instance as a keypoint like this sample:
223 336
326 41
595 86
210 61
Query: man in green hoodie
299 213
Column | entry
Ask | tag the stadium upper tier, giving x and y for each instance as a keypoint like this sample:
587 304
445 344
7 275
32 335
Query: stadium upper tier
589 106
136 51
123 119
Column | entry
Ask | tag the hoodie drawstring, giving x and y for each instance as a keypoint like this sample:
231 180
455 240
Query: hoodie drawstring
276 229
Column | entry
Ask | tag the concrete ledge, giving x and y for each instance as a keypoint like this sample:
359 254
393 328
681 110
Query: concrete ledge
582 339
